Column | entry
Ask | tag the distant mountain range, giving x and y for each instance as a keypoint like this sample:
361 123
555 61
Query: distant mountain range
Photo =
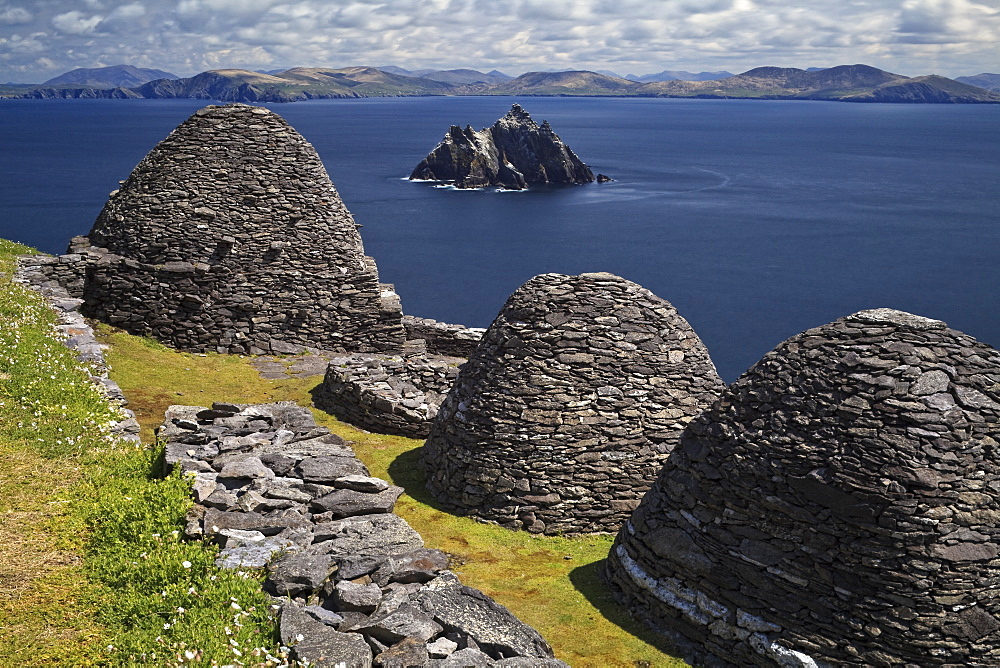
115 76
985 80
850 83
672 75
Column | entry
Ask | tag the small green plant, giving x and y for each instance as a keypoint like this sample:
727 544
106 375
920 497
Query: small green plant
46 397
166 602
70 492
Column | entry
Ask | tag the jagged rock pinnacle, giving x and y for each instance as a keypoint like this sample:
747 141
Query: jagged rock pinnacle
512 154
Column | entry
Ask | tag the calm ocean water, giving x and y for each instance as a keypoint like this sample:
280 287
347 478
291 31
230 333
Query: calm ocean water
756 219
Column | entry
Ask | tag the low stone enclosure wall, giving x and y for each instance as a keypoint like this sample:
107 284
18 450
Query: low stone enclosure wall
562 417
387 394
354 581
840 505
441 338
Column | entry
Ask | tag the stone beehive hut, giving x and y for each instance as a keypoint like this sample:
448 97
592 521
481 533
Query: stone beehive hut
229 236
563 415
839 505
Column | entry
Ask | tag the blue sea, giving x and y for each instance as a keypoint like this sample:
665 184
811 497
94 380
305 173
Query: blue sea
756 219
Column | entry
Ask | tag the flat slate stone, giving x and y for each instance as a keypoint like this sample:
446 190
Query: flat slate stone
406 621
319 644
379 534
472 612
300 574
329 469
348 502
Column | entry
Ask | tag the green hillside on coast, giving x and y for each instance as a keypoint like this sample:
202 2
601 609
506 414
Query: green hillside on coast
93 571
848 83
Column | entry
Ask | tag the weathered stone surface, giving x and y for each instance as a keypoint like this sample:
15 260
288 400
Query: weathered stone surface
513 153
357 597
398 394
464 658
563 416
472 612
406 621
441 648
417 566
348 502
362 574
233 250
328 469
837 506
404 654
360 483
298 574
250 467
377 534
319 644
253 552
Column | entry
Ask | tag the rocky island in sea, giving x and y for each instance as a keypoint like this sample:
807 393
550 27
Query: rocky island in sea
512 153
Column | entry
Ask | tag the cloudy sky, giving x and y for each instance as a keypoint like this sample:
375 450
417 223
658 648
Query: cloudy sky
42 38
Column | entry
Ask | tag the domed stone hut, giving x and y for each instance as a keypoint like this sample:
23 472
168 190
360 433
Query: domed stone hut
562 417
229 236
839 506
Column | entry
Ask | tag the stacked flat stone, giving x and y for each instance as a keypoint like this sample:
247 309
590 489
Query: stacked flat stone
229 236
386 394
442 338
562 417
354 582
839 506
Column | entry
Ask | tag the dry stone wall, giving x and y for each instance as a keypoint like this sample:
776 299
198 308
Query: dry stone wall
441 338
229 236
354 582
840 505
387 394
563 415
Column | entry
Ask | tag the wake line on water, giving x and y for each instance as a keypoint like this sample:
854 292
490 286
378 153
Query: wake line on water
618 193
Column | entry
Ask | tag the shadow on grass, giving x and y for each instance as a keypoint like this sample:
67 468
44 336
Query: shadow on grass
588 581
407 472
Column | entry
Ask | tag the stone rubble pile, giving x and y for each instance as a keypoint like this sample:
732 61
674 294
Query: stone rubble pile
208 246
355 583
387 394
76 333
563 415
840 505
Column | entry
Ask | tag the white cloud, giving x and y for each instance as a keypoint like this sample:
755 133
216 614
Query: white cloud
75 23
14 16
185 36
130 11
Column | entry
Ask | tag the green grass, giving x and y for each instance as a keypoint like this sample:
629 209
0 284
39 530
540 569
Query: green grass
164 600
92 567
549 582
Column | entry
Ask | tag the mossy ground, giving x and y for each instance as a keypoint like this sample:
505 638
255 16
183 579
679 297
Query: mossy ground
92 573
549 582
